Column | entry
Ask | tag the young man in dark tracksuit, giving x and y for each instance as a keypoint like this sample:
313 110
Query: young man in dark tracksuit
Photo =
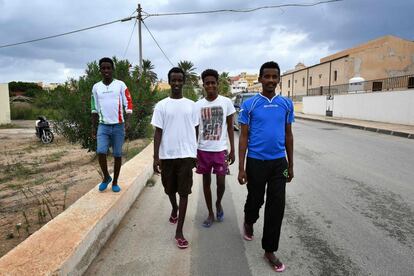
266 133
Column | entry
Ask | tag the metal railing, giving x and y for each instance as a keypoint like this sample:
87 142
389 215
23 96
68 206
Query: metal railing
379 85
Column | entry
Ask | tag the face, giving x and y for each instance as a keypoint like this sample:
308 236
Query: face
210 85
106 70
269 79
176 82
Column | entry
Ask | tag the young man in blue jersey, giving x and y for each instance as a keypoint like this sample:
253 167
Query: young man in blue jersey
266 134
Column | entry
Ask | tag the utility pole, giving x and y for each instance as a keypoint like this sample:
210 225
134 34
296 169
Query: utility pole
139 18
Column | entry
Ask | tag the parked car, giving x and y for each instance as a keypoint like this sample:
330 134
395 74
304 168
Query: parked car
238 101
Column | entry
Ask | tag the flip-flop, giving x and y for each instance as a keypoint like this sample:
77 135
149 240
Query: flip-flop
173 220
104 184
181 243
220 216
207 223
277 267
246 236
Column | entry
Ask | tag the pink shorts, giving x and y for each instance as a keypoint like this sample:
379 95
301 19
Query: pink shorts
208 161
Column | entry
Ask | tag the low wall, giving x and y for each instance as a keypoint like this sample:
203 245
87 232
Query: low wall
315 105
388 107
4 104
67 244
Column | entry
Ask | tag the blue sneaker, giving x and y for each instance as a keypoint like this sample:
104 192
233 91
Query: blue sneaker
220 216
116 188
104 184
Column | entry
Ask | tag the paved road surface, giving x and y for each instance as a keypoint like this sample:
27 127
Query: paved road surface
350 211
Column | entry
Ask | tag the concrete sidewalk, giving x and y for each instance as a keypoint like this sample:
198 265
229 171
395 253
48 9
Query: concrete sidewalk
406 131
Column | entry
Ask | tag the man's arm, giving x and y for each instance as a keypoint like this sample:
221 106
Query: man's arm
289 150
157 142
127 123
244 131
95 119
230 132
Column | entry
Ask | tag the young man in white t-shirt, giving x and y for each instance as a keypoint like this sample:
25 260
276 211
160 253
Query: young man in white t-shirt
216 121
175 148
108 98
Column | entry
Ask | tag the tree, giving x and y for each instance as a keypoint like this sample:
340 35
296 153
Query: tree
147 71
29 89
224 84
191 79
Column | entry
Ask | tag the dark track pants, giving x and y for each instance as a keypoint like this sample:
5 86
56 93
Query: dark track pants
259 173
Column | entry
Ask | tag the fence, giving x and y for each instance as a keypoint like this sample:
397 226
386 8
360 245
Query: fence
379 85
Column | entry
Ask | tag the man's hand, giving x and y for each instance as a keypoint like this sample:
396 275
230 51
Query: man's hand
290 174
93 133
242 177
157 165
231 158
127 124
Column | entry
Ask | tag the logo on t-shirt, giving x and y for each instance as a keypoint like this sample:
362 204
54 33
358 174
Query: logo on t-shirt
212 121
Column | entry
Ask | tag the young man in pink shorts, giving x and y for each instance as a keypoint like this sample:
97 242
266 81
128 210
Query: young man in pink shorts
216 121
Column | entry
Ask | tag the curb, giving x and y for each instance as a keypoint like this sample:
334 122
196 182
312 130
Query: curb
372 129
68 244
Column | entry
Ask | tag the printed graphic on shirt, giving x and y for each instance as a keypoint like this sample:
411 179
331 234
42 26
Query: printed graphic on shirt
212 120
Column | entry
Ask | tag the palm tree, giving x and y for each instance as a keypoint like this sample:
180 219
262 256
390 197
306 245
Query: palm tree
224 84
147 71
188 68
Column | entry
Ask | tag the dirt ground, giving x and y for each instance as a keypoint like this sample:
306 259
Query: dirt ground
38 182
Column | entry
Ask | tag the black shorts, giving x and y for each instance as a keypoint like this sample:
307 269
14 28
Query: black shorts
177 175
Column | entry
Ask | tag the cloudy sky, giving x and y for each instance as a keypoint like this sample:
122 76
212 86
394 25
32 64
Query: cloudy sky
232 42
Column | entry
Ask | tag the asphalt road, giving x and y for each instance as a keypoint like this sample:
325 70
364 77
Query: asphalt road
349 211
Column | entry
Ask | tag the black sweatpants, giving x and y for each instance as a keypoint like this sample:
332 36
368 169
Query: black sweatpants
259 173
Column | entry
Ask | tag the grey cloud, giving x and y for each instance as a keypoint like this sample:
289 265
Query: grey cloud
244 40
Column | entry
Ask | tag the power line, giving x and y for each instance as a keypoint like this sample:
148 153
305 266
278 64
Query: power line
245 10
157 43
168 14
130 37
67 33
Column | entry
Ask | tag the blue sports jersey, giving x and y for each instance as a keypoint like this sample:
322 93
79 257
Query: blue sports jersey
267 121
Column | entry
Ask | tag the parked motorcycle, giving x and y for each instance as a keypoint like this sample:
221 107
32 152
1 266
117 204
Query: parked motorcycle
43 131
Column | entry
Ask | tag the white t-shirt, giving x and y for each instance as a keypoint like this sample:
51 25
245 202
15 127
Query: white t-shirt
177 119
213 124
108 100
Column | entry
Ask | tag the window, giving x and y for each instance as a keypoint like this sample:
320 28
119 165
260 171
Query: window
410 82
320 76
377 86
303 82
310 80
288 83
335 75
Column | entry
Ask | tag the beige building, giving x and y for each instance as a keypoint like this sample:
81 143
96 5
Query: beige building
250 78
4 104
382 58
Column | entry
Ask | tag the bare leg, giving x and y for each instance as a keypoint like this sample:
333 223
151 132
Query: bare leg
173 200
221 187
103 165
117 169
181 217
207 197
